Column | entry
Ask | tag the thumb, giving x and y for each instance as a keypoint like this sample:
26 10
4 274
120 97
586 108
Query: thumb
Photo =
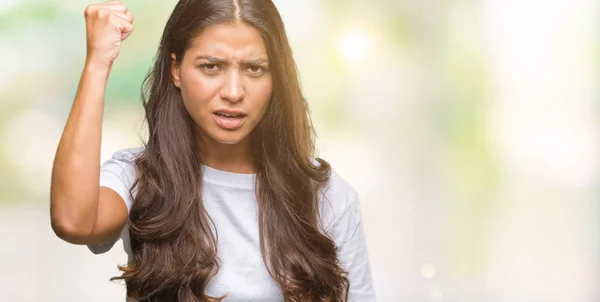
126 30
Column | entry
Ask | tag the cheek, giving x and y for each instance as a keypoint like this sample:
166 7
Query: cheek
197 92
263 92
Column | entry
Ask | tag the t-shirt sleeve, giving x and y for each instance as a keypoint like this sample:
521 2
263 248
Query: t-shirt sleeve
117 174
347 232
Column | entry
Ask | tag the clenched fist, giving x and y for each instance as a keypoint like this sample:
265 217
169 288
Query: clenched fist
108 24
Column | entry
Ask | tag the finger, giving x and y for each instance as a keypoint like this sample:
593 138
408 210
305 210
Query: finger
130 14
127 30
119 22
125 17
94 9
113 6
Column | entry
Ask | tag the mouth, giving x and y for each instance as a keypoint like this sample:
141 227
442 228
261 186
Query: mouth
229 119
226 115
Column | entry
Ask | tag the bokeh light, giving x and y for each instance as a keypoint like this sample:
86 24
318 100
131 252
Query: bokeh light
354 45
470 130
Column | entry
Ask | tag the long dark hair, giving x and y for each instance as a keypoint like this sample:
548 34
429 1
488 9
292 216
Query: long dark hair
173 240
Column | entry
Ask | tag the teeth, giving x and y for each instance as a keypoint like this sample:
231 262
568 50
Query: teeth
228 115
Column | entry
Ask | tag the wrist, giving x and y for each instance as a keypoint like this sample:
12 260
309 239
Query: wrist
97 64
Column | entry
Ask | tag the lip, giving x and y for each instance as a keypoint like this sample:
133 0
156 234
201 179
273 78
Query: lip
231 111
227 123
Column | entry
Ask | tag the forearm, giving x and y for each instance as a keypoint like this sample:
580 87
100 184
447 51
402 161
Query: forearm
76 170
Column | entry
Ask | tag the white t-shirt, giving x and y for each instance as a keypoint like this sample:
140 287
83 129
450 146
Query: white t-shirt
230 200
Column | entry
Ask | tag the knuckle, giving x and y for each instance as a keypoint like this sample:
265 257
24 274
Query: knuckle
89 10
103 13
114 18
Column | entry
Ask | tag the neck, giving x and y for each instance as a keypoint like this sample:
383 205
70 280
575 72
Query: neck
235 158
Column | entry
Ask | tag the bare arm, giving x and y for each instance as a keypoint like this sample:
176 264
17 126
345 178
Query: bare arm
81 212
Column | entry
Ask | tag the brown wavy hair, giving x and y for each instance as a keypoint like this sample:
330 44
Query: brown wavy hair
173 240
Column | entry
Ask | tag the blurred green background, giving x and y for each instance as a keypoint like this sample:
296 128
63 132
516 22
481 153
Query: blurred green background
469 128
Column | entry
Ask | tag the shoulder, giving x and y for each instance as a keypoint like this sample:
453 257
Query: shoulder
120 166
119 174
128 155
336 196
339 188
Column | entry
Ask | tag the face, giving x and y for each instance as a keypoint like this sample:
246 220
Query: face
225 82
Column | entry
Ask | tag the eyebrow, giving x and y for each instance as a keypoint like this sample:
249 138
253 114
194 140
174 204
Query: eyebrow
215 60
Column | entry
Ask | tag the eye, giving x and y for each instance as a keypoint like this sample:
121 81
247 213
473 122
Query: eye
211 68
255 69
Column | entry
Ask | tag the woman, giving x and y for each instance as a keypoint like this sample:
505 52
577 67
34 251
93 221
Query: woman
224 201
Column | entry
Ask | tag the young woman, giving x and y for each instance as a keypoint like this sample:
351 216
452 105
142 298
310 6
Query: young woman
225 201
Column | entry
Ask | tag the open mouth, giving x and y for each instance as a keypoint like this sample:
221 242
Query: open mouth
228 115
229 119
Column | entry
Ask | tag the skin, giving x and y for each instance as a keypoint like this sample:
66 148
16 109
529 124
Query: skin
81 211
226 67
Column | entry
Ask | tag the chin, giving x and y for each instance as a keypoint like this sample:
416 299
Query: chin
228 142
225 140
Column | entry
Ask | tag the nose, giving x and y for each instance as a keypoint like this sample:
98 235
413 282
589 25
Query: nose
233 88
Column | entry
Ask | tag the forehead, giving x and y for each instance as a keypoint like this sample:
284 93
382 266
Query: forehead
229 40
